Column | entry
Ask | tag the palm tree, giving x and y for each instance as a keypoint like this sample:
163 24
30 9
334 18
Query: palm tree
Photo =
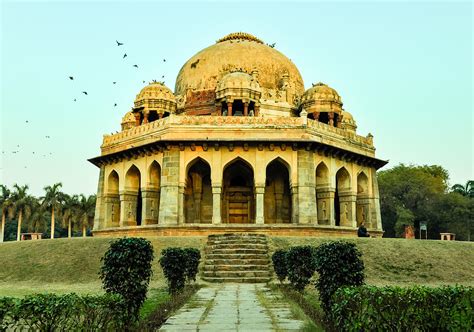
86 210
70 212
5 203
37 218
467 190
54 200
21 206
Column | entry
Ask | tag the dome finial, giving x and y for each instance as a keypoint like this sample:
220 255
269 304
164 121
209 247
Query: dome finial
241 36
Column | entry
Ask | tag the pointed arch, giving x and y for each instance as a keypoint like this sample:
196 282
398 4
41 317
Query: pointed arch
132 179
362 183
362 202
343 179
198 192
133 201
322 175
238 192
154 175
277 197
113 182
342 209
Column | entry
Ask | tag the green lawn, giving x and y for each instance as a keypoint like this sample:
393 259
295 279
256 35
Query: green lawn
72 265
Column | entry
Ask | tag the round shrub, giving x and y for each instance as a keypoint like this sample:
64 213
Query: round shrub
338 264
279 264
126 270
301 266
193 256
173 263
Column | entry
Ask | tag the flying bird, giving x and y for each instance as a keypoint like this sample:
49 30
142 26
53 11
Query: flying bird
114 82
124 56
119 43
162 76
136 66
26 121
143 81
115 104
74 99
84 92
48 137
71 78
164 60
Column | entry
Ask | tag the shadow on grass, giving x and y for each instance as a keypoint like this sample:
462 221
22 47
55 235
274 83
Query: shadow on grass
161 306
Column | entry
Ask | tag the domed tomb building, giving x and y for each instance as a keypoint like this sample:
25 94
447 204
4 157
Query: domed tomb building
240 146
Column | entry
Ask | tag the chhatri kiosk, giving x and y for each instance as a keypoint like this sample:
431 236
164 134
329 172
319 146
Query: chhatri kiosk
239 146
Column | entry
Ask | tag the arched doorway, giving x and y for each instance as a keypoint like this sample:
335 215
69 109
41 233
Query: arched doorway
198 193
362 202
323 199
133 197
342 209
238 193
151 195
112 201
277 194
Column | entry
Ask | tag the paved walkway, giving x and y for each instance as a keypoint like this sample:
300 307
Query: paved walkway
234 307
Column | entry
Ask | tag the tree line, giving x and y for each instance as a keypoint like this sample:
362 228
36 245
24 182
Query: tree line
52 213
413 194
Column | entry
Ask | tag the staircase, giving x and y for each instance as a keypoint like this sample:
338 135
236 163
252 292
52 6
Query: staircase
237 258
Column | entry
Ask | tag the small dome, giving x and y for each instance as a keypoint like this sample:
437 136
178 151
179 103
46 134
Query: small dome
155 97
322 92
238 85
155 90
128 121
348 122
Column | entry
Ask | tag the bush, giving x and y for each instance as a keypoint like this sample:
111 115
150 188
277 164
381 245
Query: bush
69 312
338 264
279 264
173 263
193 256
126 270
301 266
403 309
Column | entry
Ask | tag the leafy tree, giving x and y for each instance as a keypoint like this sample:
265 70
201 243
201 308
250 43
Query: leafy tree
126 270
53 199
279 264
5 203
467 190
70 213
21 206
85 212
173 263
301 266
193 257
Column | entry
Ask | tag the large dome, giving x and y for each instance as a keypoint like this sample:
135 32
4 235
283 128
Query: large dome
238 51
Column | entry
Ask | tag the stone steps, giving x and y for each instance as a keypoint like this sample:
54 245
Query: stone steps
237 258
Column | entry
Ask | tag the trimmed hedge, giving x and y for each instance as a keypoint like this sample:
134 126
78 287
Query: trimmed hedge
69 312
193 256
179 264
301 266
417 308
279 264
338 264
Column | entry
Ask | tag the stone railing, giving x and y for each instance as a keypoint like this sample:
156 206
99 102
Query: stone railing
224 121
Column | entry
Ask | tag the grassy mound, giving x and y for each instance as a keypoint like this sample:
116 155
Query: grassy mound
72 265
406 262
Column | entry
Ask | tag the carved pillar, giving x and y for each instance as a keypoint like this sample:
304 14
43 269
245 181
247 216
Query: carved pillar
128 208
229 108
246 108
219 109
316 116
325 199
307 213
145 117
216 204
160 115
362 211
181 219
150 206
137 118
279 189
112 210
347 203
197 196
171 192
331 118
257 110
294 204
99 219
259 193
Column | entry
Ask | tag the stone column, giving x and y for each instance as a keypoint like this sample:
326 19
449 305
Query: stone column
170 195
145 117
160 115
137 118
112 210
128 208
259 193
316 116
306 185
325 198
219 109
150 206
376 217
294 204
331 118
257 110
347 202
229 108
216 204
246 109
181 219
99 205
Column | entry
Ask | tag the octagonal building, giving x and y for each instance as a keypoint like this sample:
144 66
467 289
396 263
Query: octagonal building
240 146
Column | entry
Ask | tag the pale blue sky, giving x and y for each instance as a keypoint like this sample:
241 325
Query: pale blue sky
403 70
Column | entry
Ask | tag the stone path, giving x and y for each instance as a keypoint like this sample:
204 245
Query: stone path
234 307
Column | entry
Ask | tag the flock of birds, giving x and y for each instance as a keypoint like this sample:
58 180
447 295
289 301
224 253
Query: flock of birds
114 82
71 78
